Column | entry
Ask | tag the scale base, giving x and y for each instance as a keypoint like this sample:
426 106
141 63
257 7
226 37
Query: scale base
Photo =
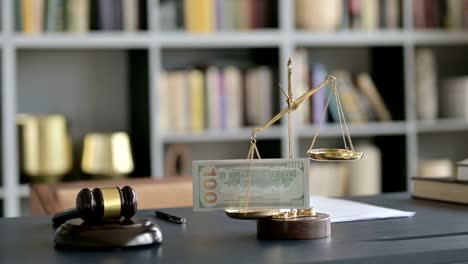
295 228
109 234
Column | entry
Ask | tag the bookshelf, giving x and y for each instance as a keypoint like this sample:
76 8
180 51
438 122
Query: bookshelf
141 56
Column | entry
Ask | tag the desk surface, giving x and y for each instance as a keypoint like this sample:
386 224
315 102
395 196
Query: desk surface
438 233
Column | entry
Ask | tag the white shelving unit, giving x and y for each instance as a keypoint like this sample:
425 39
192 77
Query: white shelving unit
285 39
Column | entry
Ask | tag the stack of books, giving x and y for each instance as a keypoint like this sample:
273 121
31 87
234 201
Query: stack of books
204 16
360 98
36 16
215 98
447 189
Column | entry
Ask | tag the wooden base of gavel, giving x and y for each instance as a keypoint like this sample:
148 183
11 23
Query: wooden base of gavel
108 234
312 227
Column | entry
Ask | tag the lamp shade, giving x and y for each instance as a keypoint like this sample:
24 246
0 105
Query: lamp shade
107 154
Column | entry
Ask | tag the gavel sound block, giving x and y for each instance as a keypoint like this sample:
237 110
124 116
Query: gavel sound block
108 234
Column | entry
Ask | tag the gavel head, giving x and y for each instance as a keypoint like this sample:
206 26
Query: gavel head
106 203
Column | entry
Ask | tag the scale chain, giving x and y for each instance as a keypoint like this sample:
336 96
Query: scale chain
344 119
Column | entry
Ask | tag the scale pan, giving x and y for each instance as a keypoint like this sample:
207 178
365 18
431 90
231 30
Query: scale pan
330 154
251 213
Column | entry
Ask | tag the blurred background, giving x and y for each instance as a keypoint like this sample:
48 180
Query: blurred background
122 90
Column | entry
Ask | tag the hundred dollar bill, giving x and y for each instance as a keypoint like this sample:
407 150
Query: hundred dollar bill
272 183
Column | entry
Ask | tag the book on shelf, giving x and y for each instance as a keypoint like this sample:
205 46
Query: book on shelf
243 17
168 11
447 189
77 11
360 98
465 14
214 97
224 15
390 14
370 15
427 107
206 16
233 98
355 17
196 95
318 15
368 88
349 97
435 168
175 93
28 11
163 115
259 85
37 16
318 74
130 13
454 98
450 14
462 170
214 86
329 179
199 15
54 16
366 15
345 179
110 15
300 80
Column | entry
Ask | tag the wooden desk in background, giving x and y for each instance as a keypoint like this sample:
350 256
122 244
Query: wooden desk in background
48 199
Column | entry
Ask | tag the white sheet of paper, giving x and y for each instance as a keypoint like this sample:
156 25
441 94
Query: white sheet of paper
346 211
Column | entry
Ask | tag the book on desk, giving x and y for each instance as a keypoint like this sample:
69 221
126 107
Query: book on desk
448 189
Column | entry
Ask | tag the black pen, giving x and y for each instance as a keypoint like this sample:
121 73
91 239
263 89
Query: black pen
172 218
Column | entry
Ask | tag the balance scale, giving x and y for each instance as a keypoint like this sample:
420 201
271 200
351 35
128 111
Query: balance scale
298 223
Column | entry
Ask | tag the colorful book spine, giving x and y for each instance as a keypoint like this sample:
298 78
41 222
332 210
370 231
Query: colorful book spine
31 15
319 99
391 13
219 14
199 16
233 94
130 15
164 109
78 16
355 14
213 98
227 15
223 100
106 13
197 100
213 82
370 15
28 17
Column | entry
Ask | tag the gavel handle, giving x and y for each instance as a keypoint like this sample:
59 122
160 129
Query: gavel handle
65 215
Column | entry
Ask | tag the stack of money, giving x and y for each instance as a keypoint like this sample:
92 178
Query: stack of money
242 184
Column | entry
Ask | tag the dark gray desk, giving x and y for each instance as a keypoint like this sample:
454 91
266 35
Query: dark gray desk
438 233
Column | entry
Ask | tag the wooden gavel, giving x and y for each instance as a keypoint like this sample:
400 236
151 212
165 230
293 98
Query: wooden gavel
101 204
